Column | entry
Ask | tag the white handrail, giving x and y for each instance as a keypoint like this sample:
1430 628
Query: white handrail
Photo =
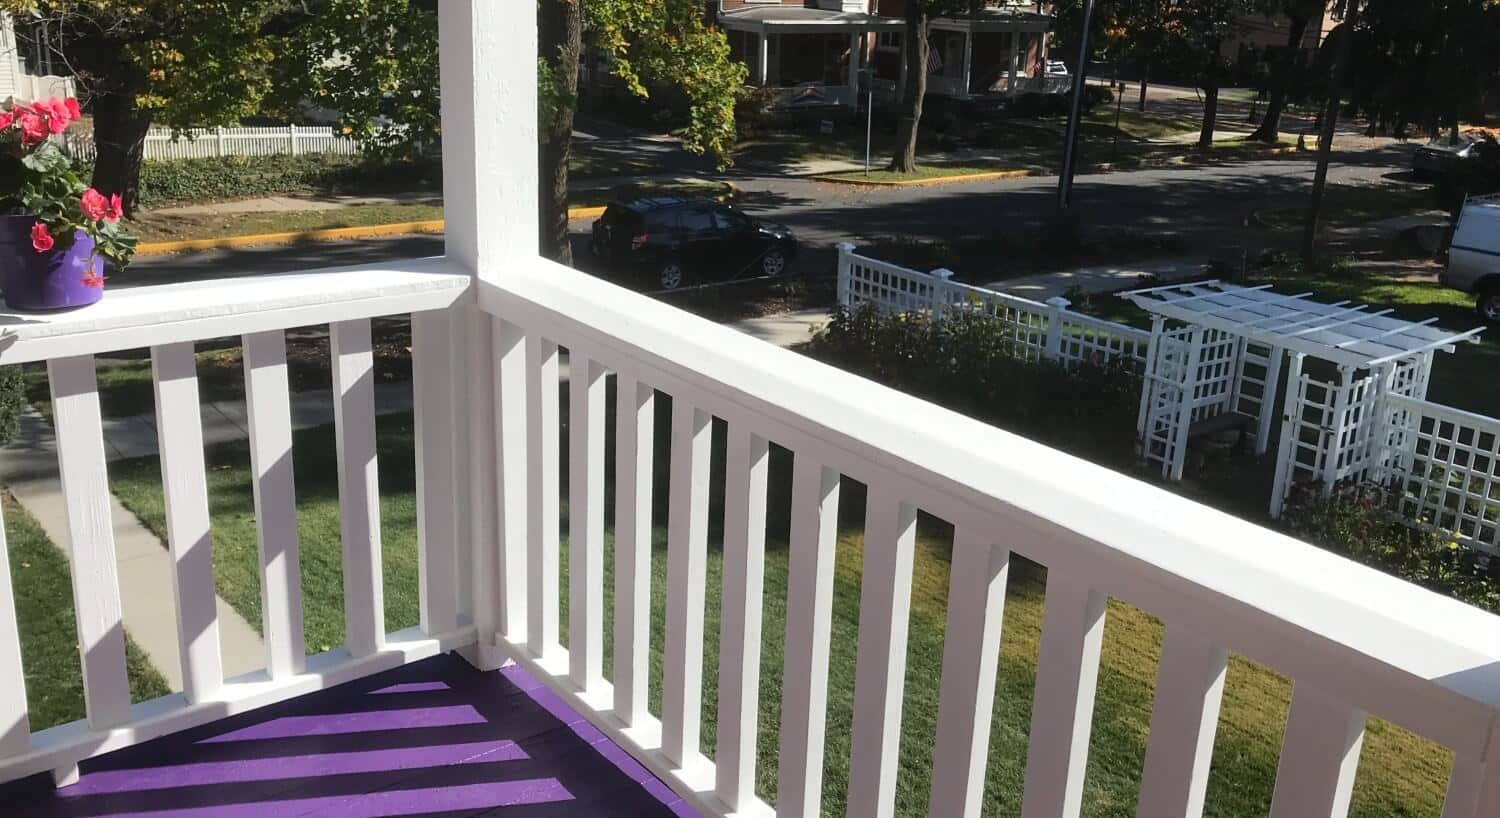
1393 649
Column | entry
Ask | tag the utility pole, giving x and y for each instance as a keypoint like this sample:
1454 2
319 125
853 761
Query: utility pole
1070 145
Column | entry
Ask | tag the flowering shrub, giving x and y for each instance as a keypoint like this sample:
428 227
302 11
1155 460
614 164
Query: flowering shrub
1358 521
37 179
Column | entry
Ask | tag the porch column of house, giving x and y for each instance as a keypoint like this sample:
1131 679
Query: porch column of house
856 45
488 54
1015 60
762 68
968 64
901 87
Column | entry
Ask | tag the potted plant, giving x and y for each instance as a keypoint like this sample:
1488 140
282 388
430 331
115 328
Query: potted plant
58 236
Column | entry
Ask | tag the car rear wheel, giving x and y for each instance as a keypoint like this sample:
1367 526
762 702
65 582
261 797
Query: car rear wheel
773 263
1488 305
670 276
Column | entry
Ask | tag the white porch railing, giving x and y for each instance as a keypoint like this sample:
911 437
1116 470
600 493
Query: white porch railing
204 143
1354 641
1039 330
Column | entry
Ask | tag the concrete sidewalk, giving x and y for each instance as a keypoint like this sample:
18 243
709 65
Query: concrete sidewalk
1102 278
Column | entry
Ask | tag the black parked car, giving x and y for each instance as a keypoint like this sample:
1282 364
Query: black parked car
1470 157
674 241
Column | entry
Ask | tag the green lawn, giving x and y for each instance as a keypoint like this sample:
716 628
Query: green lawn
49 637
1400 775
157 226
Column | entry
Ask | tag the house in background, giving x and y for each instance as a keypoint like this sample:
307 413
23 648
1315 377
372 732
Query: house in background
28 68
814 50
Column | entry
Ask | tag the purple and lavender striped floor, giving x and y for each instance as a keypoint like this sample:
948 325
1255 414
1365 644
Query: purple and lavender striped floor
434 738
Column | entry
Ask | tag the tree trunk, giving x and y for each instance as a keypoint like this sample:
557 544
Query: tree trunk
904 158
1281 76
1210 112
120 128
1140 104
560 33
1329 119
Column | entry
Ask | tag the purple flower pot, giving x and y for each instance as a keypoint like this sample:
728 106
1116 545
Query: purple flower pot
53 280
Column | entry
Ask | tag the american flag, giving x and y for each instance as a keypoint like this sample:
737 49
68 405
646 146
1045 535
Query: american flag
934 62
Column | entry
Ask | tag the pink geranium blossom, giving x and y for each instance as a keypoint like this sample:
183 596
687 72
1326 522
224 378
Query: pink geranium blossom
33 128
94 205
41 240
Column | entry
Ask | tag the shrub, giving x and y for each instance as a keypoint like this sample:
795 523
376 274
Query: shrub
167 182
1358 521
973 364
12 402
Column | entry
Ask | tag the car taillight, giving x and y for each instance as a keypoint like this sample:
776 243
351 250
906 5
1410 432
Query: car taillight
639 241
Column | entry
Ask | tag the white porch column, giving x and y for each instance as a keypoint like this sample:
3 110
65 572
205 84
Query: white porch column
905 45
1015 60
488 55
968 64
855 45
763 69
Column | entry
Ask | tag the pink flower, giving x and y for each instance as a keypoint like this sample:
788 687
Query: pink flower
93 280
116 208
73 110
94 205
41 240
6 119
33 128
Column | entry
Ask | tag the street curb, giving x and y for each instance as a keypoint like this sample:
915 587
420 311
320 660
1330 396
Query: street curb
940 180
267 239
431 227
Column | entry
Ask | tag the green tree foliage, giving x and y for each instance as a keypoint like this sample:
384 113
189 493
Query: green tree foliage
178 63
1425 64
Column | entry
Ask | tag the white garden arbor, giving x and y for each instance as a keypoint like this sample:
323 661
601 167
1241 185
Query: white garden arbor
1215 361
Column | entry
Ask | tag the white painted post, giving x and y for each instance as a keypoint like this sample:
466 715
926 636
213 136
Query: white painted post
939 299
508 458
1184 718
1067 673
1474 784
542 473
764 69
1148 381
268 400
91 540
971 654
1335 441
585 522
901 91
846 274
880 668
291 131
1180 429
855 59
1056 306
436 415
15 727
635 424
968 73
1319 756
747 461
1015 61
359 485
219 140
809 624
1291 410
687 558
1268 400
179 431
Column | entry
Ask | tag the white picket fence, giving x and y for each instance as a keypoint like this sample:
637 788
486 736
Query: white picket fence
1446 469
204 143
1040 330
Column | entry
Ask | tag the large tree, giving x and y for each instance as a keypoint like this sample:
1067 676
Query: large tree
919 14
1199 29
178 63
1286 62
1340 44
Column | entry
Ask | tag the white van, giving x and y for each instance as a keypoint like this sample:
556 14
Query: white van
1474 255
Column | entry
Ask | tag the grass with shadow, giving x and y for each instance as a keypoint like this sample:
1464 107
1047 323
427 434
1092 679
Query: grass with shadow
1400 774
49 635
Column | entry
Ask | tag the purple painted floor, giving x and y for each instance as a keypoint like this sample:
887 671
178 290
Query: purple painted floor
435 738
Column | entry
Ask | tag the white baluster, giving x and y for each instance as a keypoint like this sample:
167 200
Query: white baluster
809 623
1319 756
269 403
880 669
179 431
91 540
687 557
359 486
542 493
635 419
746 463
1184 719
971 654
15 727
1464 782
506 403
586 522
434 374
1067 672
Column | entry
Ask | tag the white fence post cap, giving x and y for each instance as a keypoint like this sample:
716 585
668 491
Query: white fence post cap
1058 302
943 273
845 247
